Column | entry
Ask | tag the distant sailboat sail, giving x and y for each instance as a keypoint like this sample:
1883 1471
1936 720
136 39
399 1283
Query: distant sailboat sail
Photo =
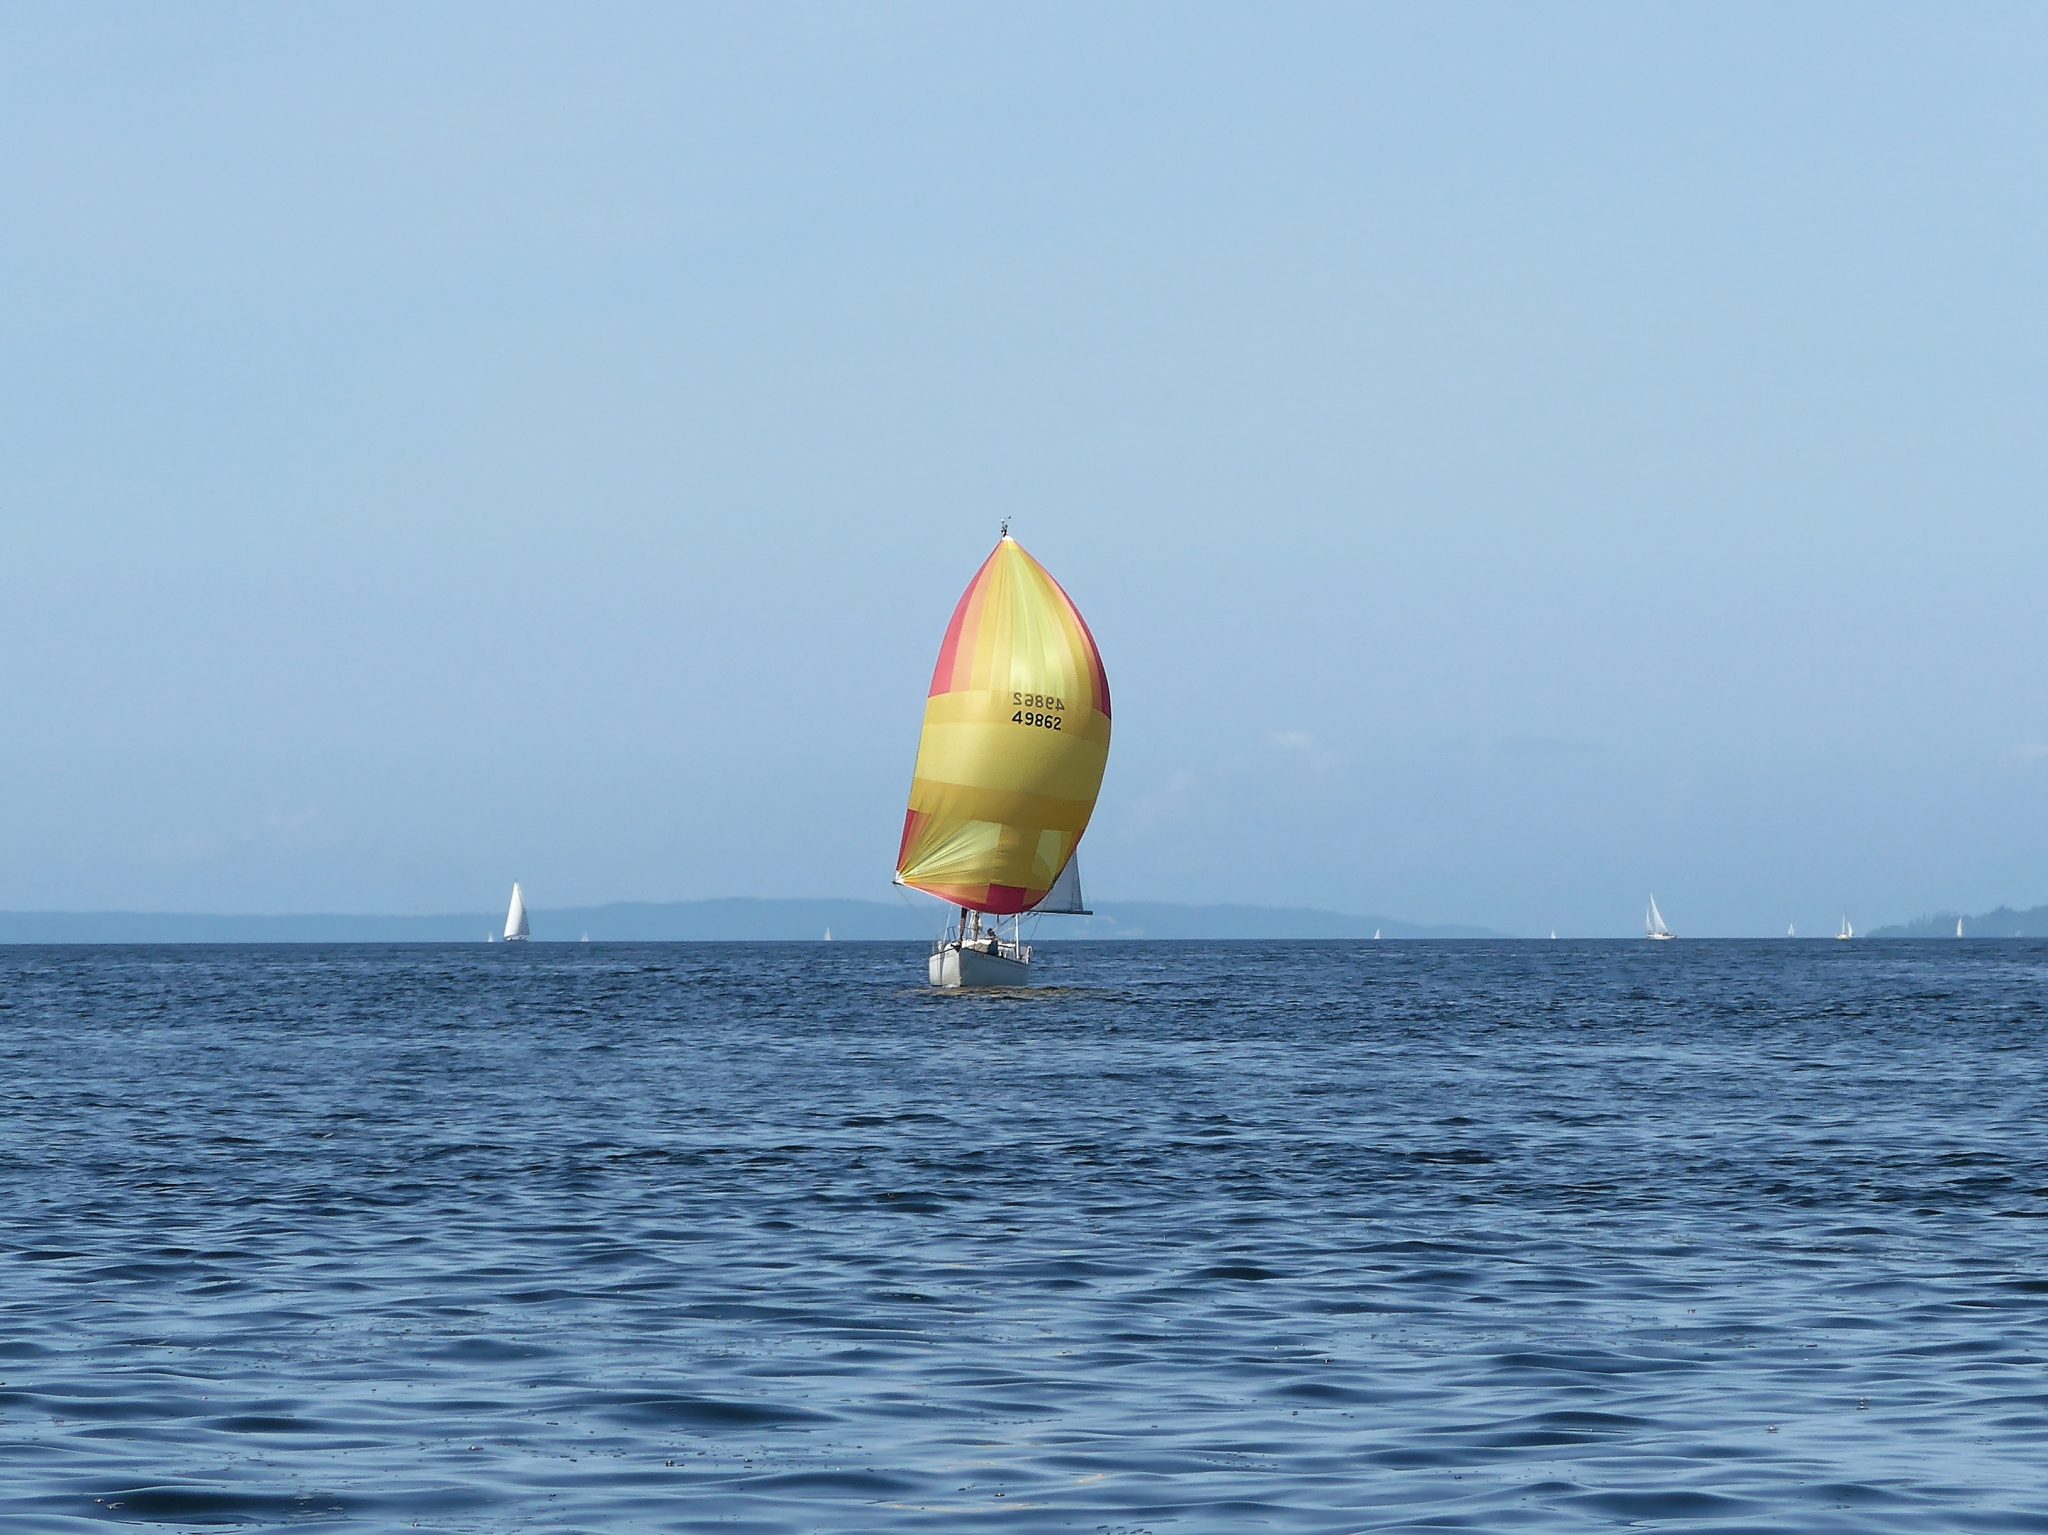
1847 931
1016 735
1959 927
1653 922
515 917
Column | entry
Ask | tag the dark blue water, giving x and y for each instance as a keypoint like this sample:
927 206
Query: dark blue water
1517 1237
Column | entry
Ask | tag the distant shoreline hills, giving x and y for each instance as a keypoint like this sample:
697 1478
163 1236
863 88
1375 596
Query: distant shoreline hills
737 920
2002 923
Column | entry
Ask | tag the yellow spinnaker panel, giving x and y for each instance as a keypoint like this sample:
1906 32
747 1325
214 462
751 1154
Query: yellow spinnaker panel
1016 734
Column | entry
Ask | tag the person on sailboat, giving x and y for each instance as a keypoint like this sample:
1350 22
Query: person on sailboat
973 935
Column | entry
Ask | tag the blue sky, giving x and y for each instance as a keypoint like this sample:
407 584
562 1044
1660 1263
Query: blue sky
1513 458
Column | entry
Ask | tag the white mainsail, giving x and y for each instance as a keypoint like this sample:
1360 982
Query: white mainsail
1064 899
515 916
1959 927
1653 921
1847 931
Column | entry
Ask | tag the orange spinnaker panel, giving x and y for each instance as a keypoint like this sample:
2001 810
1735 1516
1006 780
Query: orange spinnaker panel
1016 734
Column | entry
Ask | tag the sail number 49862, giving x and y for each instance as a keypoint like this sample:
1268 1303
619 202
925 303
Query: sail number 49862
1032 707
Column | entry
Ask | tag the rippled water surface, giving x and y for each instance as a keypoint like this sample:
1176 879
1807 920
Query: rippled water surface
1516 1237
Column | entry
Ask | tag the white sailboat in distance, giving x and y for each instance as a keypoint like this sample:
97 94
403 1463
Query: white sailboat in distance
1791 930
1653 923
1847 931
515 917
1959 927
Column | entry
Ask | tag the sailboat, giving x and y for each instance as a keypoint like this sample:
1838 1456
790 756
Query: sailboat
1847 931
1653 923
1791 931
515 917
1375 935
1959 927
1016 735
828 935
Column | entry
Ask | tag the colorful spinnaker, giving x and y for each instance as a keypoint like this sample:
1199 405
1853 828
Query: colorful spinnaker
1016 734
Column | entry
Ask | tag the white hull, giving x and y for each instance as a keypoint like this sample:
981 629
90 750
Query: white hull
952 967
1661 937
